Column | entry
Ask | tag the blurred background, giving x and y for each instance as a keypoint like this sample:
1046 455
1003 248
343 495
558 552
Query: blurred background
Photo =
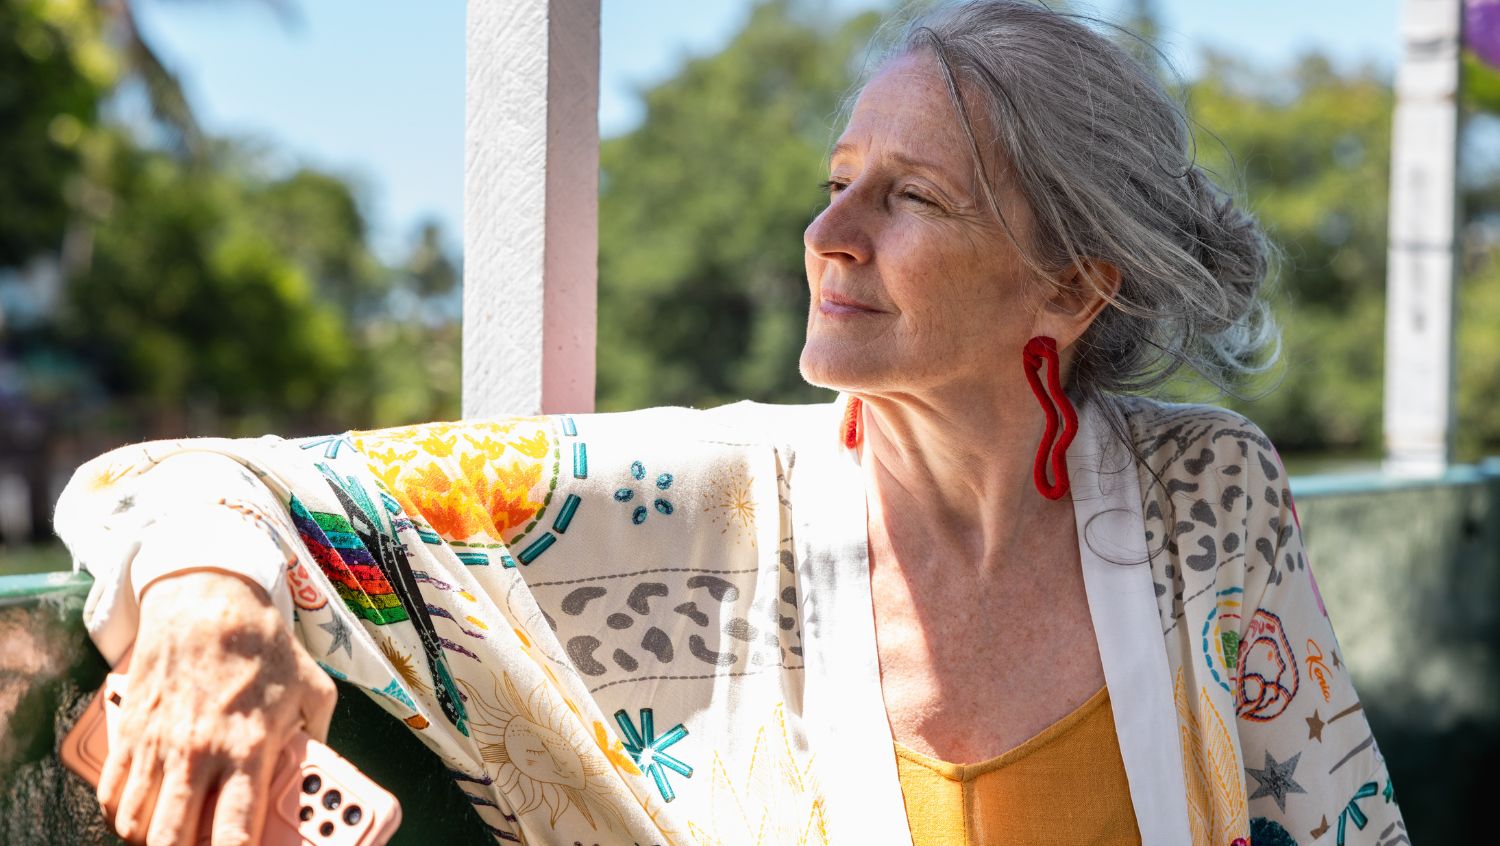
233 217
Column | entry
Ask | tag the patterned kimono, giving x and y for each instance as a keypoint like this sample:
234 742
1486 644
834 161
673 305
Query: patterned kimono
656 627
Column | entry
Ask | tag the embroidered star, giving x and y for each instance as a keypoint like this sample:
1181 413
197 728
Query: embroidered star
125 504
1276 779
1315 727
340 634
649 751
1321 830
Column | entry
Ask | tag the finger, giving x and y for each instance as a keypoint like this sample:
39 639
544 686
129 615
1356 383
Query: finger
317 705
179 803
112 777
138 799
240 812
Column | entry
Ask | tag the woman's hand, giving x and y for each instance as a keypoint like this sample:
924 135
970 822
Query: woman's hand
217 687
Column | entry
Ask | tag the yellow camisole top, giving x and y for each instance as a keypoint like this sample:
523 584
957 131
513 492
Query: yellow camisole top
1066 785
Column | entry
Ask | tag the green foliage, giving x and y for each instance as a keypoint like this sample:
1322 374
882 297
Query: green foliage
701 216
50 87
211 281
185 296
1481 84
1310 150
1478 375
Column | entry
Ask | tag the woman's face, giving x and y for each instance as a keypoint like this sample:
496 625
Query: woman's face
916 287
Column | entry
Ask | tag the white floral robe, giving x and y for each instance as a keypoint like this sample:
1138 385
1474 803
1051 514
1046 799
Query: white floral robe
656 627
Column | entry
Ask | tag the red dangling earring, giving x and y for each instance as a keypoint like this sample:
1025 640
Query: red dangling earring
1039 349
849 429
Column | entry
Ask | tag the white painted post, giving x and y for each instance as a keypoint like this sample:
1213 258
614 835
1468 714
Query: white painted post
1422 252
531 179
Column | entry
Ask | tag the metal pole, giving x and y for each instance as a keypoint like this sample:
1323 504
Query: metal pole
1423 245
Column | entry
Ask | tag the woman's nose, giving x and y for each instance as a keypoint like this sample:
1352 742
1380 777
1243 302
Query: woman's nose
838 232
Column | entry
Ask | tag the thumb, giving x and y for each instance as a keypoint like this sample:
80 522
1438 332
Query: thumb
319 698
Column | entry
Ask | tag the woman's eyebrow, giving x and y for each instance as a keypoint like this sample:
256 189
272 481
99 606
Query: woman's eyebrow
899 157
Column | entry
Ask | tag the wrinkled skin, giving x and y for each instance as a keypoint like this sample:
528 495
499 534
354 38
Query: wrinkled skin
218 685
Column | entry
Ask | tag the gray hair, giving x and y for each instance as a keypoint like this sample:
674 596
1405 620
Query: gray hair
1105 159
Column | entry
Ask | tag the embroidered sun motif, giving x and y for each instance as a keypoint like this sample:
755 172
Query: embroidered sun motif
730 502
526 740
404 667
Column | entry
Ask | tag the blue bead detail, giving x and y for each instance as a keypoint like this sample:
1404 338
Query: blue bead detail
664 481
568 428
638 470
565 514
539 546
624 495
639 516
663 506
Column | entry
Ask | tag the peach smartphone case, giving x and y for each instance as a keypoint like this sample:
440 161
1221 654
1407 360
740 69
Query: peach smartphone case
318 798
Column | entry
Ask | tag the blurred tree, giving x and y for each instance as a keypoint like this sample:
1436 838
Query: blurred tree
156 281
53 73
1310 149
701 212
187 295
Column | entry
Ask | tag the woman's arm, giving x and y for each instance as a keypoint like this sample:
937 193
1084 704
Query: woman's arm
1313 769
189 577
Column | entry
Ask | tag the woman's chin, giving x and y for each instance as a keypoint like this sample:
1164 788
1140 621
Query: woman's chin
827 365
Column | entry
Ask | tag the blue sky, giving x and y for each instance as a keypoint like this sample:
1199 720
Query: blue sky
374 89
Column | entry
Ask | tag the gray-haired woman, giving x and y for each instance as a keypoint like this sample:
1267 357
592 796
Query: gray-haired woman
988 596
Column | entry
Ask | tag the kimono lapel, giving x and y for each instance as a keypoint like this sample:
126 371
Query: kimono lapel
843 707
1122 605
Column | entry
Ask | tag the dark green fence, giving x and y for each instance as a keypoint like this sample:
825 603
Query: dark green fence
1409 570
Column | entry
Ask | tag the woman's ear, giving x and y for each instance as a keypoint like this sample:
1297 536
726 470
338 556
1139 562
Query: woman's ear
1080 293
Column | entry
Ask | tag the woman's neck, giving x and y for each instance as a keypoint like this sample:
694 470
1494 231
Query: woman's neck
950 482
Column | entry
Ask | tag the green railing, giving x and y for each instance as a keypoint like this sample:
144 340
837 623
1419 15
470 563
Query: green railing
1409 571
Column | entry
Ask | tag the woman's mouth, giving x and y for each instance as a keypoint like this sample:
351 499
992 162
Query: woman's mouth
836 305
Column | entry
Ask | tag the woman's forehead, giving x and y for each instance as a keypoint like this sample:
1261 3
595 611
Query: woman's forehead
905 113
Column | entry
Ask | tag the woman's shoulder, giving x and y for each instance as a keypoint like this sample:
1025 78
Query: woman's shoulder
1194 435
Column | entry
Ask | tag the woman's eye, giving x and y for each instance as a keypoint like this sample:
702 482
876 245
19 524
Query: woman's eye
916 198
829 186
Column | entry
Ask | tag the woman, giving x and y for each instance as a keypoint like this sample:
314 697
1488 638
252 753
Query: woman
930 612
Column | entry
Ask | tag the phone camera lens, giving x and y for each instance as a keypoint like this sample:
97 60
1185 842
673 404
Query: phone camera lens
311 784
306 813
331 799
352 815
325 829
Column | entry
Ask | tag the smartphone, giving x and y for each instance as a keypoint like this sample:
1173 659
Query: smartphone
318 798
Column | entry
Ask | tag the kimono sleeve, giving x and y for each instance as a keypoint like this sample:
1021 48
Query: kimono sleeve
1313 770
143 511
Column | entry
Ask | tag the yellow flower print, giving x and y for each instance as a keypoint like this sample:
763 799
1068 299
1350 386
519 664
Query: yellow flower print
508 500
108 476
449 509
535 446
438 446
490 448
